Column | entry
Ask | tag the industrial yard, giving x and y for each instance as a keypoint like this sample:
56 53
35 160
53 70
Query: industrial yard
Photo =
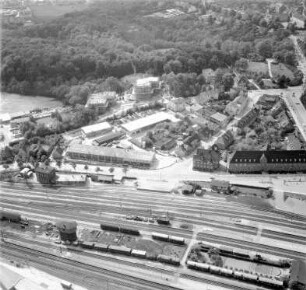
155 230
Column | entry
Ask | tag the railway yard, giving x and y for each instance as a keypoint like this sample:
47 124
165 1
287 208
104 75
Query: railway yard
136 239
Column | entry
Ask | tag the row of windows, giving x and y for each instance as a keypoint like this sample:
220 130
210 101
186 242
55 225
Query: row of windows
272 160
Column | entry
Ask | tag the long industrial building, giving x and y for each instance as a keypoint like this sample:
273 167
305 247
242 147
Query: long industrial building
109 155
148 122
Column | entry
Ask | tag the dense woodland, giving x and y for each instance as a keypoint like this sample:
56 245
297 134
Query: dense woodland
82 52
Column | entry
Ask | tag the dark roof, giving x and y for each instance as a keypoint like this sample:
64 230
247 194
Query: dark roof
108 137
298 270
284 156
206 155
247 156
273 156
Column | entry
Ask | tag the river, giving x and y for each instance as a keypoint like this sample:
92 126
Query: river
11 103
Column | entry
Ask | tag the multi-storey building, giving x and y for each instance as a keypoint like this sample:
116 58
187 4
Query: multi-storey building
116 156
248 119
268 161
206 160
45 175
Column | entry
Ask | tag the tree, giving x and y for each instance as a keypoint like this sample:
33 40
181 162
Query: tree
265 48
98 169
227 81
86 167
111 169
125 170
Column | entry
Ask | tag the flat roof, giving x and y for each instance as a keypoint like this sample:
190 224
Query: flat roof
96 127
124 154
148 121
101 98
219 117
141 82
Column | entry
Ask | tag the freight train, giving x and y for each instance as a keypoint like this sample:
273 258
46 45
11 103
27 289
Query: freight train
167 238
129 252
248 277
114 228
246 255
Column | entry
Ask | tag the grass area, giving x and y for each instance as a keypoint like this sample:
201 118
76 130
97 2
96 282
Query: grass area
48 12
281 69
258 67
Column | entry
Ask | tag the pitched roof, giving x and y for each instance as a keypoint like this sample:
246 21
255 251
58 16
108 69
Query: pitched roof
247 156
206 155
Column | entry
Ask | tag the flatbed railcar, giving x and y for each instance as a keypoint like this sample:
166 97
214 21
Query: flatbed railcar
271 282
120 250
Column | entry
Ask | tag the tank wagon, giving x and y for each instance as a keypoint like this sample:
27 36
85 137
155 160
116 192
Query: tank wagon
10 216
167 238
248 277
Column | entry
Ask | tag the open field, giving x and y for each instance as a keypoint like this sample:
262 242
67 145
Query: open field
48 12
258 67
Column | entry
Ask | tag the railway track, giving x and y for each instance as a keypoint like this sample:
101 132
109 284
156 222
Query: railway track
249 246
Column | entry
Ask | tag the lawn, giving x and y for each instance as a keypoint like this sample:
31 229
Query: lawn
258 67
281 69
48 12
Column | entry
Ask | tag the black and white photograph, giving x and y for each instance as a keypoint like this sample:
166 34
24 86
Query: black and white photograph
153 145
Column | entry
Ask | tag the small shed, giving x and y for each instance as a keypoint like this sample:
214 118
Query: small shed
187 189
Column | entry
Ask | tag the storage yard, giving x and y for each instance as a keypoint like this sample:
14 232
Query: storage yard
155 231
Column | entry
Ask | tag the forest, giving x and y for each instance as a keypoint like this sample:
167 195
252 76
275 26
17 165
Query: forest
91 50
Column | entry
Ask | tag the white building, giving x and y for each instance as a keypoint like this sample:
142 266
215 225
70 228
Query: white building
219 119
96 129
145 88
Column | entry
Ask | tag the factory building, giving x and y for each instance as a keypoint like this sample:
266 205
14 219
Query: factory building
109 155
268 161
109 137
145 88
96 129
67 230
146 123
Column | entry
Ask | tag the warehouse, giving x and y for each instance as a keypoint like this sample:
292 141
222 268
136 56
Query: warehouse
109 137
109 155
148 122
96 129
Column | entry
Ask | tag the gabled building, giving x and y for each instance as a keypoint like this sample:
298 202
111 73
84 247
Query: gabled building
248 119
224 141
284 161
206 160
45 174
209 75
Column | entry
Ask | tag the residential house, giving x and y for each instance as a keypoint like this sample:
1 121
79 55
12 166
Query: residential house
224 141
239 104
45 174
219 119
248 118
196 108
206 160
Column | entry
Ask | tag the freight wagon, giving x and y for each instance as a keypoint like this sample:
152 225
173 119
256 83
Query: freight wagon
109 227
101 247
164 220
248 277
161 237
87 245
176 240
139 253
120 250
129 231
168 260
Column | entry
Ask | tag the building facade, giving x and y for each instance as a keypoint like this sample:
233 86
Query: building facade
284 161
206 160
67 230
45 175
101 101
145 88
248 119
176 105
115 156
96 129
